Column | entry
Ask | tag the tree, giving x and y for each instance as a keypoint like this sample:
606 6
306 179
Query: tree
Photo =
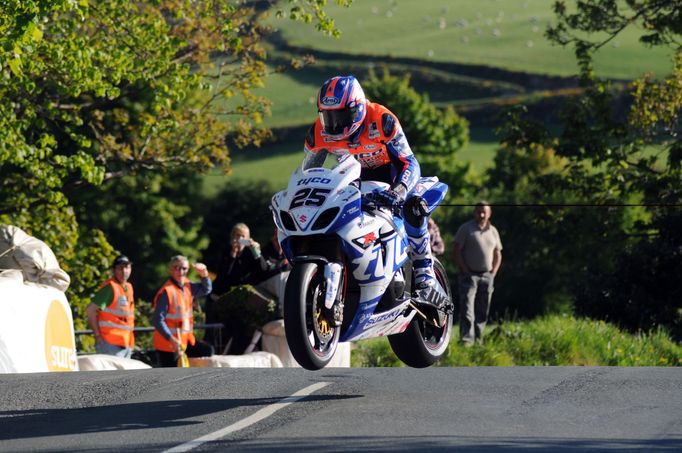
149 217
222 213
435 135
549 235
605 139
91 92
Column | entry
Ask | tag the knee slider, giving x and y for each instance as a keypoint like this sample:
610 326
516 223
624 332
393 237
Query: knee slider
415 211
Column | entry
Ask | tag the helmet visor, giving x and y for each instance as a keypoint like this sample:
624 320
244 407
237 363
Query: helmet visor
335 122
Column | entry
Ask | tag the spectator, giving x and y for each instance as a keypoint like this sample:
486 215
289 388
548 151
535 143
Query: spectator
478 253
245 264
111 313
173 313
274 278
437 245
274 254
242 264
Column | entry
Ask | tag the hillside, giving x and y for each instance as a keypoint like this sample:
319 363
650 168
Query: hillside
480 57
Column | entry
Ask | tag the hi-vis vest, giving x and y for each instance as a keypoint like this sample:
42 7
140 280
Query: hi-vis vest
179 316
369 147
117 320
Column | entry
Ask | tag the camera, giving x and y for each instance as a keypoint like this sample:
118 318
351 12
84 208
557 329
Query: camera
244 242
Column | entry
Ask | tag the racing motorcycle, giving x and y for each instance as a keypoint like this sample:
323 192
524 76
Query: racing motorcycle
351 276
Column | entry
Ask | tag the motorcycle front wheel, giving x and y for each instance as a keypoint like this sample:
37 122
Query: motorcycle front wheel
311 336
423 343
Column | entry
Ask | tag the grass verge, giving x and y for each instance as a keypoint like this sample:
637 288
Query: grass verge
548 341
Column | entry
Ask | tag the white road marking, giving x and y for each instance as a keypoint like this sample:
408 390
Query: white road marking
248 421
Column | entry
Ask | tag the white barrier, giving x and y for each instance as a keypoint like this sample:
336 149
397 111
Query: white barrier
36 327
274 340
259 359
101 362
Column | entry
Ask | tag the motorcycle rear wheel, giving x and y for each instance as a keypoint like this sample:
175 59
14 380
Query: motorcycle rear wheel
422 344
311 337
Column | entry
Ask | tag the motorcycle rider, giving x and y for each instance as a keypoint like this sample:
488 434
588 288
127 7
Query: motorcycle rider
350 123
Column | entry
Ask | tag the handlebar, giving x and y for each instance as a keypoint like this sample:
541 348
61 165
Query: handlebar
370 202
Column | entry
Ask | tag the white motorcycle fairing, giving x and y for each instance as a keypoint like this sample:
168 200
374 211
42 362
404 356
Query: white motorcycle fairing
323 201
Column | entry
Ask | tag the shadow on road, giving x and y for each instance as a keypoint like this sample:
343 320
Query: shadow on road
447 443
118 417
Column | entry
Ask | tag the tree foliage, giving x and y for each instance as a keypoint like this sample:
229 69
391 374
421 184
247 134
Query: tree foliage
91 92
609 147
149 217
435 135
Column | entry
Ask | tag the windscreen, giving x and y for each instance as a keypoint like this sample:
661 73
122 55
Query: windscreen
320 158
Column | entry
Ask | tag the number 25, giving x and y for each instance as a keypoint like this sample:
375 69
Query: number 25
309 197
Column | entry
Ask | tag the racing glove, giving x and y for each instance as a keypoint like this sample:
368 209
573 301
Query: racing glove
392 198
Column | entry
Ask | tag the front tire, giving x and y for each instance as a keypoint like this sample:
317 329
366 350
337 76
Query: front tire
311 337
422 343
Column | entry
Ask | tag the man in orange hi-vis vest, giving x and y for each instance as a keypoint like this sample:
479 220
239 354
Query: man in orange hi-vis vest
111 313
173 318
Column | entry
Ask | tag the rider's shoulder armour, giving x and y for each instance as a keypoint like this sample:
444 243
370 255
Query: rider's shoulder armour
388 121
380 123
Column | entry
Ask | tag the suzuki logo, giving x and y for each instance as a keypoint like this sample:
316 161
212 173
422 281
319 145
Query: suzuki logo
369 239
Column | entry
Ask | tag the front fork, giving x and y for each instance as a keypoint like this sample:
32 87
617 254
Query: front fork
333 300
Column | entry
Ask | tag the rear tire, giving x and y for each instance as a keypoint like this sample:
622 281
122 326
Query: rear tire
311 337
422 344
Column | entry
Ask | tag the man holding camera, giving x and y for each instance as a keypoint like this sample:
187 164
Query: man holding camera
243 264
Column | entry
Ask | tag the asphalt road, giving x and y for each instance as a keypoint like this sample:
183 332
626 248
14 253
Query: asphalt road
371 409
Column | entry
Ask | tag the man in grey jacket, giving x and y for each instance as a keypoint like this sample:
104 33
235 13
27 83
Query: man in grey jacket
478 253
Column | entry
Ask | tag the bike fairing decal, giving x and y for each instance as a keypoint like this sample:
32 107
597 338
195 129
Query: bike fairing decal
313 180
309 196
350 212
367 324
366 240
396 250
363 313
370 266
389 327
304 217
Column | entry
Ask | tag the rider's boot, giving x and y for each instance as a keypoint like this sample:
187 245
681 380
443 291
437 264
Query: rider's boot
422 262
416 217
427 288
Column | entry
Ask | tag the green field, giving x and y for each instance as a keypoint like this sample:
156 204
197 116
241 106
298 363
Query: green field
500 33
275 163
293 100
272 163
496 33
